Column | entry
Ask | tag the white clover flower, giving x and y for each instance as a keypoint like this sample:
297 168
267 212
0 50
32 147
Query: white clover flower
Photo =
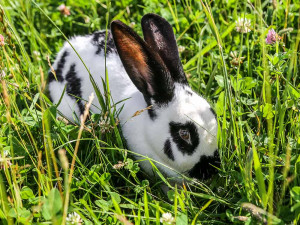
167 218
132 24
242 25
181 48
74 218
4 159
119 165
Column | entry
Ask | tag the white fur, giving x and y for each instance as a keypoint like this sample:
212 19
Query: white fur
144 135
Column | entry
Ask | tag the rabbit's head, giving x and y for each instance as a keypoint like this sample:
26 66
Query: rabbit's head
182 131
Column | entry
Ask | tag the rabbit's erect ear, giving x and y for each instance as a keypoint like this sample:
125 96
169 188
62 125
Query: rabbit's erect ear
144 66
159 34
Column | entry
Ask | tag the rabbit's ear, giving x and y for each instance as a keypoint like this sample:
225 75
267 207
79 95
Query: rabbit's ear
144 66
159 34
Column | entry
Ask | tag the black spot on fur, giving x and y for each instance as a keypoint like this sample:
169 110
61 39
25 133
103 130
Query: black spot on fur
205 168
189 93
168 150
184 146
164 88
99 41
151 111
213 112
74 87
59 69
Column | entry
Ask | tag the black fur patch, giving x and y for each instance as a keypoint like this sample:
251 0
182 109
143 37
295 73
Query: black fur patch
158 33
204 169
151 111
59 69
213 112
189 93
74 87
183 146
168 150
164 88
99 41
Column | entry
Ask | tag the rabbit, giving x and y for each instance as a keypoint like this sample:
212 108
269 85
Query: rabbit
178 131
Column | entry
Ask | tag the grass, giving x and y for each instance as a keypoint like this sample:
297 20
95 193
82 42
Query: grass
51 169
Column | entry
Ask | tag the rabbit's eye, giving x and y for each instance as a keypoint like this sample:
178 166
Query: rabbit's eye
185 135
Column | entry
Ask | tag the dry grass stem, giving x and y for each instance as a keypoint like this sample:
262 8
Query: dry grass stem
123 219
137 113
82 120
259 213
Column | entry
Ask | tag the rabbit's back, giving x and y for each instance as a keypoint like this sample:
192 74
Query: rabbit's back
70 73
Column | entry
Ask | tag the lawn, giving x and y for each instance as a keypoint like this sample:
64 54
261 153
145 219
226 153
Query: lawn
242 56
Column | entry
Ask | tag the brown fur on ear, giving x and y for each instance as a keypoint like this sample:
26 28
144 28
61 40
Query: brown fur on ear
144 66
131 53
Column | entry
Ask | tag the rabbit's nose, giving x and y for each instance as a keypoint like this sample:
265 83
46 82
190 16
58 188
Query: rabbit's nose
206 167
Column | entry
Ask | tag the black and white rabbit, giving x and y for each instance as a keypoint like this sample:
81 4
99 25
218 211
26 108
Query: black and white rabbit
179 131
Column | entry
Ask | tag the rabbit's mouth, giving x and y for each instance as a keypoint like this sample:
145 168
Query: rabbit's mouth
206 167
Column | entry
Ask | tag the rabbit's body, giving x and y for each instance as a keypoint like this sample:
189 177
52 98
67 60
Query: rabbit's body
91 50
179 130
